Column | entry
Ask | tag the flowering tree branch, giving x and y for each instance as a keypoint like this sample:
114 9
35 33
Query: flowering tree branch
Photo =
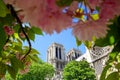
20 23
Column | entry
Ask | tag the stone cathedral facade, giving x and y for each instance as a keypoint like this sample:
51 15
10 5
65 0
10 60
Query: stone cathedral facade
56 57
96 56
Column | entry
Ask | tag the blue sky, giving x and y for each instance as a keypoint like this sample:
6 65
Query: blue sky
65 38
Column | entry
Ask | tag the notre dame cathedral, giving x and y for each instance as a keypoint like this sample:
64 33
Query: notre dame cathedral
96 56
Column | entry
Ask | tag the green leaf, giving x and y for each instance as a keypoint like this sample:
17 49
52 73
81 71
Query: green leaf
2 69
113 34
16 35
88 44
34 51
12 71
62 3
2 38
112 56
118 57
34 58
18 48
112 39
7 20
104 72
97 8
37 30
113 76
118 20
17 64
102 42
19 42
16 28
117 66
78 42
117 47
31 34
3 9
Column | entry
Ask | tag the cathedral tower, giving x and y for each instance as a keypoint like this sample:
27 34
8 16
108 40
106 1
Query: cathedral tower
56 57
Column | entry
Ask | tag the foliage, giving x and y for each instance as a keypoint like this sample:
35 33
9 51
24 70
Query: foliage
11 60
3 9
15 57
113 33
87 43
38 71
78 42
78 71
112 39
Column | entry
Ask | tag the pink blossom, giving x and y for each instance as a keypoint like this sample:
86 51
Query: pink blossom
86 30
44 14
21 35
49 17
109 9
19 56
53 19
73 6
25 70
8 30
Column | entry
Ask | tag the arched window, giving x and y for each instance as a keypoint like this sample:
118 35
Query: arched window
60 53
56 52
75 55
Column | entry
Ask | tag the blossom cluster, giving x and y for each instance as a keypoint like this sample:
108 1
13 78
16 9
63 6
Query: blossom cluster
50 17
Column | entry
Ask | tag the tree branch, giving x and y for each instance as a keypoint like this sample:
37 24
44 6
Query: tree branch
14 14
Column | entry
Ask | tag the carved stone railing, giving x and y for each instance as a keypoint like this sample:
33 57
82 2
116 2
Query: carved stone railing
99 52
